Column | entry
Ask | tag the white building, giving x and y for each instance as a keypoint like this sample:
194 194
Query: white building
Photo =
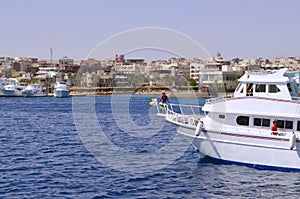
195 69
168 66
125 69
218 74
92 79
66 60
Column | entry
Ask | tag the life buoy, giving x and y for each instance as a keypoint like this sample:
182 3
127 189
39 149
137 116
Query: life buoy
199 128
292 141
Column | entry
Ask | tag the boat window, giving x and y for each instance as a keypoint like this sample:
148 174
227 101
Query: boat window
261 122
260 88
222 116
298 125
289 87
266 122
280 123
238 87
273 89
288 124
242 120
249 89
257 122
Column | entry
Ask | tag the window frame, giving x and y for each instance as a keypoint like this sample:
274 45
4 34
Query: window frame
239 120
257 121
298 125
290 123
265 120
260 88
276 91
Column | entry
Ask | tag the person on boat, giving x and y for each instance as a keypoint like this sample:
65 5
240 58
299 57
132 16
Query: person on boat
274 128
163 101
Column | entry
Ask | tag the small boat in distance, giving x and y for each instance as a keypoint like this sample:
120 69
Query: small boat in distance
13 89
61 90
3 82
34 90
238 129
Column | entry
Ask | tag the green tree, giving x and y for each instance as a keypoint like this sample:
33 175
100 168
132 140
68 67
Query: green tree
192 82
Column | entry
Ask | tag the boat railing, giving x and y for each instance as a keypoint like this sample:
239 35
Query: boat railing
184 114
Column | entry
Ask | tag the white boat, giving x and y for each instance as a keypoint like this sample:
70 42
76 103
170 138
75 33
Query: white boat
13 90
3 82
61 89
238 128
34 90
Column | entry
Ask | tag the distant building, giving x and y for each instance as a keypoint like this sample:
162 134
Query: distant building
106 81
90 65
66 61
218 74
92 79
293 63
25 67
121 81
195 69
184 69
67 65
134 61
125 68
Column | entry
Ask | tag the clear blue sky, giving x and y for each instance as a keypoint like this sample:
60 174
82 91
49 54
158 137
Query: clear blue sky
236 28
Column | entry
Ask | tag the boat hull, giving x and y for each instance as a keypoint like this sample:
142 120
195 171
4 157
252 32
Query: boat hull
12 93
61 94
252 150
30 94
1 93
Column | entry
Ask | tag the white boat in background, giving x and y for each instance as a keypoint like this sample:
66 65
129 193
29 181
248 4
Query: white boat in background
238 129
3 82
61 89
34 90
13 90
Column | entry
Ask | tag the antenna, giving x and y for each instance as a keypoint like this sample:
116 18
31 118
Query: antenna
51 54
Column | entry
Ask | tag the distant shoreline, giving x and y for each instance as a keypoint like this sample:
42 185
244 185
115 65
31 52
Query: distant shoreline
177 94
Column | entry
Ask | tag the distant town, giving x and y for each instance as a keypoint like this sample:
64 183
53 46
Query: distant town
119 73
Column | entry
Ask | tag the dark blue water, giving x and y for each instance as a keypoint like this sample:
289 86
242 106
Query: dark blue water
43 156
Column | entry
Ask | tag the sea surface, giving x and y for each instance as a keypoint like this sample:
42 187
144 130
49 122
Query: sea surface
43 155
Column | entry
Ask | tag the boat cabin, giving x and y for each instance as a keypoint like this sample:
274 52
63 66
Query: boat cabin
270 84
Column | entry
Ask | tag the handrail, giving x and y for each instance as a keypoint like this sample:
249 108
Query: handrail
181 116
194 118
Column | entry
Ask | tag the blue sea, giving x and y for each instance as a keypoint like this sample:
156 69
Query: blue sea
115 147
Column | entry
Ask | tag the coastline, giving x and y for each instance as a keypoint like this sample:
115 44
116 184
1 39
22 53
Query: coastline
177 94
145 90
